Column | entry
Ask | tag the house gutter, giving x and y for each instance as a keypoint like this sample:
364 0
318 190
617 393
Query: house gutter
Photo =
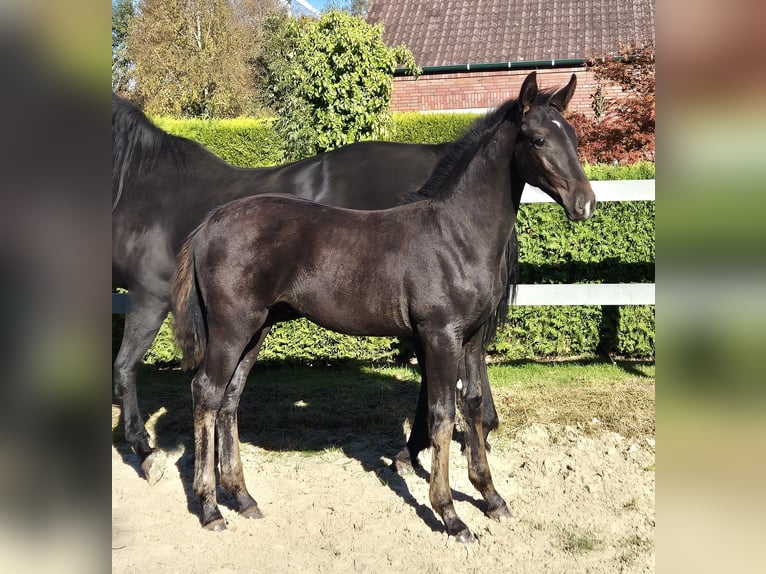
495 67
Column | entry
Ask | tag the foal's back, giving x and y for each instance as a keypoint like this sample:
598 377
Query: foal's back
273 250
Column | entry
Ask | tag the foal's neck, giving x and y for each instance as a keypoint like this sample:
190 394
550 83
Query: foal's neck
486 196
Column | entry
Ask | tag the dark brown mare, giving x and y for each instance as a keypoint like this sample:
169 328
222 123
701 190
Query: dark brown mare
162 187
432 270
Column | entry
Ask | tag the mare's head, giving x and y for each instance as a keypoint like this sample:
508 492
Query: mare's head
545 152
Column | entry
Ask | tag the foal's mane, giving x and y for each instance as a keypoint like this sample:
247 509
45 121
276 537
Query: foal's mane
136 141
462 150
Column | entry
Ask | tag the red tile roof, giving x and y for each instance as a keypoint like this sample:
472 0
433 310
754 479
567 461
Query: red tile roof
449 32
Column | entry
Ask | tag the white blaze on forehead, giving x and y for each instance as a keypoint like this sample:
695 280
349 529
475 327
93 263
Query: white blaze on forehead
558 123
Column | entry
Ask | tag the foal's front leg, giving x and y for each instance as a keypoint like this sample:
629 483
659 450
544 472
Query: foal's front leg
442 354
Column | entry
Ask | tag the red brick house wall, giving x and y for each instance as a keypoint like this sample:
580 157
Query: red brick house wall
481 90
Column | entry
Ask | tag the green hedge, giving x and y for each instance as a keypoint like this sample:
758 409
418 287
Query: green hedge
246 142
616 245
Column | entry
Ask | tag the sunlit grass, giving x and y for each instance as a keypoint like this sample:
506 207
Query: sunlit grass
313 409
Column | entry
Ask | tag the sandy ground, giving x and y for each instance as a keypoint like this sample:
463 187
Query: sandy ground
581 502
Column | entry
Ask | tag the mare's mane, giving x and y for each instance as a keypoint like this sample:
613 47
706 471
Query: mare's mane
136 141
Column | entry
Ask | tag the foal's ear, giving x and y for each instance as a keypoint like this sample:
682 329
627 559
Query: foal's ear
560 99
528 92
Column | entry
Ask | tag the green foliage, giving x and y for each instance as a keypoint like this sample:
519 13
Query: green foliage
548 331
413 127
605 171
304 341
635 331
615 246
123 12
193 57
246 142
164 350
328 80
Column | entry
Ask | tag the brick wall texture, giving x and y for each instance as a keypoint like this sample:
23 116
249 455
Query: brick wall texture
472 90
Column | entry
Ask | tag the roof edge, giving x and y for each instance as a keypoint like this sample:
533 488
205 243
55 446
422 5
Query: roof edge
495 66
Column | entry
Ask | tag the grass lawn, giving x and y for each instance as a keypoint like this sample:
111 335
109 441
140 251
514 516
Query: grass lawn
293 407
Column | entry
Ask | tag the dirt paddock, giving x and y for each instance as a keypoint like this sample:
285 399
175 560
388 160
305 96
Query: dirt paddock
581 502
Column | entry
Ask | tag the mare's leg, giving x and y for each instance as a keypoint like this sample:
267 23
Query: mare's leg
489 413
142 321
473 408
232 474
419 440
442 354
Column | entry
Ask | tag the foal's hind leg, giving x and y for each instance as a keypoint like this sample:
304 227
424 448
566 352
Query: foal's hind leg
478 467
142 321
232 474
206 401
209 386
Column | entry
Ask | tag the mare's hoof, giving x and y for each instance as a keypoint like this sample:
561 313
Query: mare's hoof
500 513
217 525
465 536
403 463
153 468
252 512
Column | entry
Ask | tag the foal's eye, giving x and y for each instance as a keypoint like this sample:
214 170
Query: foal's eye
538 142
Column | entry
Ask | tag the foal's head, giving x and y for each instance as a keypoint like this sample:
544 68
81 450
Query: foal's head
545 152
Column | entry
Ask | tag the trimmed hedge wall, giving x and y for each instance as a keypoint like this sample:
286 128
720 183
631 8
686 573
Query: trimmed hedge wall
616 245
246 142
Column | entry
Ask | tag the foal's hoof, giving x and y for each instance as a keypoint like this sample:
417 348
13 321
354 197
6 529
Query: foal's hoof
500 513
465 536
251 512
217 525
153 468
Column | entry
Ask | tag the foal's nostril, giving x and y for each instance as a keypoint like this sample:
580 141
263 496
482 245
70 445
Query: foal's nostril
584 207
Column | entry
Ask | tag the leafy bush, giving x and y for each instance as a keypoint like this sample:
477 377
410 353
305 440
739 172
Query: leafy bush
164 350
246 142
329 80
304 341
622 130
413 127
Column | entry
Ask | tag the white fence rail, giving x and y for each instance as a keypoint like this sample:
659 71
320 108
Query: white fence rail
563 294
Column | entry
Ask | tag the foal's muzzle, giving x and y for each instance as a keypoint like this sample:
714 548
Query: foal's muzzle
584 207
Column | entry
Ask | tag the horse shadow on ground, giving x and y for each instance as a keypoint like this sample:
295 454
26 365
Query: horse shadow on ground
350 407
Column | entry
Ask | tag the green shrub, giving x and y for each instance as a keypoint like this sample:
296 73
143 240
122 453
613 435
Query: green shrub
616 246
429 128
328 79
603 172
164 351
246 142
304 341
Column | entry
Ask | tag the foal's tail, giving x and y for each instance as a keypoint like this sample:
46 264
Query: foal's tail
188 313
